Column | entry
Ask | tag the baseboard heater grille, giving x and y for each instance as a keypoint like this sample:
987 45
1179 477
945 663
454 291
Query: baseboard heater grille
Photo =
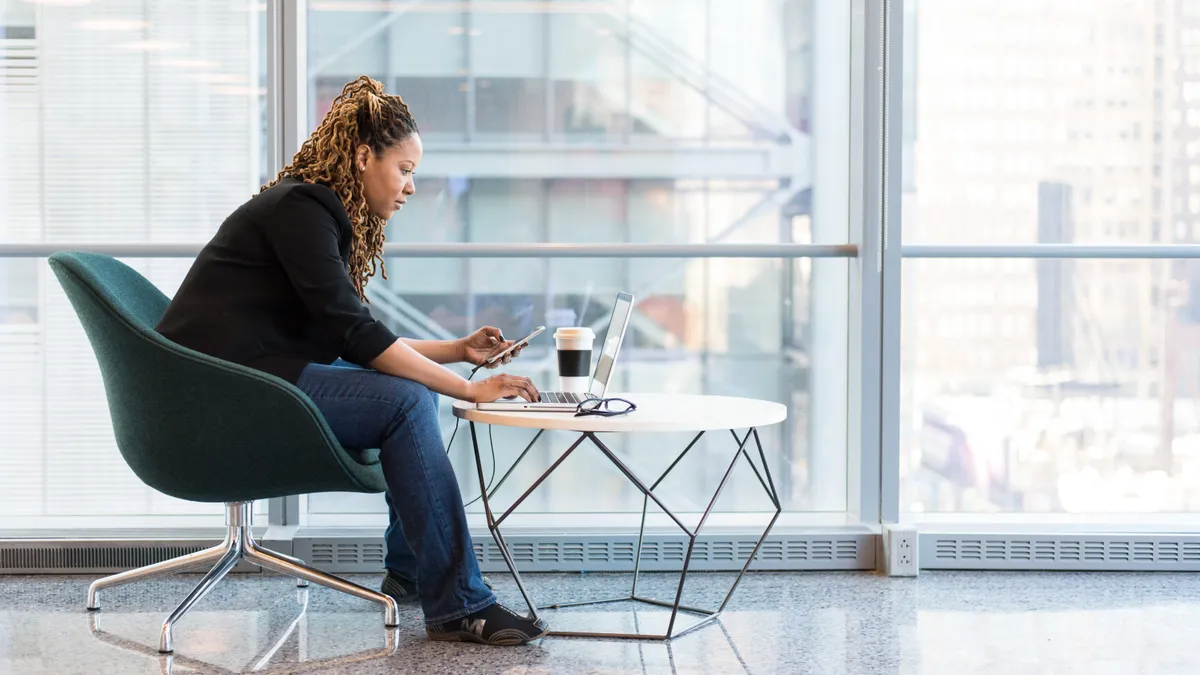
565 553
1179 553
94 557
533 553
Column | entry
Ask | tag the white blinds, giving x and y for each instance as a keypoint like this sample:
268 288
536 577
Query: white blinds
128 120
20 168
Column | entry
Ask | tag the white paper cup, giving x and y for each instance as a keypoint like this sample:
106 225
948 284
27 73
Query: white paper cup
574 345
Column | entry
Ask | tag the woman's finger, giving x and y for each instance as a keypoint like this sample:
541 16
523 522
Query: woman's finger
523 393
501 346
528 384
515 383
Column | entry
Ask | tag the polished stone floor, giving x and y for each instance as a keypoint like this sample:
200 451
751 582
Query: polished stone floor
946 623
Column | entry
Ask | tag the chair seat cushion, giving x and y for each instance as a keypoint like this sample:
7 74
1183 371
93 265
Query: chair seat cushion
368 457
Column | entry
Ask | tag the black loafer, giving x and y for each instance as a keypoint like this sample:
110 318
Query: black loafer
494 625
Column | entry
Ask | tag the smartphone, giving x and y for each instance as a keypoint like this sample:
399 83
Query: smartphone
519 343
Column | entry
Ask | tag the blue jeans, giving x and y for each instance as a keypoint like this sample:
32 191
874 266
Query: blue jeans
427 537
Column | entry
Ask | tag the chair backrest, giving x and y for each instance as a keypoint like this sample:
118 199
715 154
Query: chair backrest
191 425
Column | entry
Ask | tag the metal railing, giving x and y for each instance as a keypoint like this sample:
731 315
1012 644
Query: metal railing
617 250
467 250
1064 251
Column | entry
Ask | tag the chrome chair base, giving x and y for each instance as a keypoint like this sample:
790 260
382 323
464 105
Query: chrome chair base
239 545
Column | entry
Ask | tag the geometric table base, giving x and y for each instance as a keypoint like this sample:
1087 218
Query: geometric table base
707 616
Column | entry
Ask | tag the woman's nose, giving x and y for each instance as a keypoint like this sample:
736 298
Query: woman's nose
411 188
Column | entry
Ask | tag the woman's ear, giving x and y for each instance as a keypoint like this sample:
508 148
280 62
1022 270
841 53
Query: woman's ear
360 157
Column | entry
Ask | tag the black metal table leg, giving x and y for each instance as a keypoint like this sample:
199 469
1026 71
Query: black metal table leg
706 615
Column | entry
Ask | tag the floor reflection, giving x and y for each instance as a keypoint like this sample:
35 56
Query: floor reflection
802 623
229 641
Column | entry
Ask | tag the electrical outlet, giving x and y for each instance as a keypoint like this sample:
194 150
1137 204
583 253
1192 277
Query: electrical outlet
900 550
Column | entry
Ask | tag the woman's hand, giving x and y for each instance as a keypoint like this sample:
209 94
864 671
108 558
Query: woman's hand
497 387
483 343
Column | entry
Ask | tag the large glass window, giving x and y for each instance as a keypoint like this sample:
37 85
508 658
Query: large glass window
1050 385
1056 386
1019 112
137 121
651 104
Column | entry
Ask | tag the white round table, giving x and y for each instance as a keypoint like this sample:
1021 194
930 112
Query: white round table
655 413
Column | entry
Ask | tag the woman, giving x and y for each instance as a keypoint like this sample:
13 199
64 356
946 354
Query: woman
280 289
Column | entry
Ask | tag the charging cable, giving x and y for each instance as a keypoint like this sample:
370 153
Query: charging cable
491 444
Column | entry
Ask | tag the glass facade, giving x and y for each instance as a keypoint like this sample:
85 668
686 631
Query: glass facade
1060 387
146 123
506 95
134 121
1050 385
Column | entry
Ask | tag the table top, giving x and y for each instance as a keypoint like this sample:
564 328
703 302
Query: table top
656 412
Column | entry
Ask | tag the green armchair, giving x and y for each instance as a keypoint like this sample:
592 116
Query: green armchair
202 429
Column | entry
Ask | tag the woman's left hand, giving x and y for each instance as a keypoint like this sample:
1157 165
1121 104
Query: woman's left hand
483 343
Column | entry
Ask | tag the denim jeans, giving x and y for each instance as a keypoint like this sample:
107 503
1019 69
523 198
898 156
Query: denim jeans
427 537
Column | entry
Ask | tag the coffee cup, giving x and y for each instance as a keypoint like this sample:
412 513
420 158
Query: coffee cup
574 345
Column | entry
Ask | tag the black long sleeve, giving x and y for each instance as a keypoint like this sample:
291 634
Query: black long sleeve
305 235
272 290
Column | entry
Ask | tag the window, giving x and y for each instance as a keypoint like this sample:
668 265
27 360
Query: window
1074 393
1020 139
142 122
540 83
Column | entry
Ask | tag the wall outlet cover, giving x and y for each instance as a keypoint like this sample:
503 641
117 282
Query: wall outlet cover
900 550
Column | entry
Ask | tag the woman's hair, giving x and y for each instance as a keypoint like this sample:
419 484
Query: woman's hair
361 115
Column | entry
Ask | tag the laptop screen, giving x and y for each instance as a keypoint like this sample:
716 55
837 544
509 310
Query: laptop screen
612 343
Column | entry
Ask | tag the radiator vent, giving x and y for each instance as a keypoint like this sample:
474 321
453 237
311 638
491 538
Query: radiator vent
47 558
533 553
616 554
550 553
346 555
1060 552
81 557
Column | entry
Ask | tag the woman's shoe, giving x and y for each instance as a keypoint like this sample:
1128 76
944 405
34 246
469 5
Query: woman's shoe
492 625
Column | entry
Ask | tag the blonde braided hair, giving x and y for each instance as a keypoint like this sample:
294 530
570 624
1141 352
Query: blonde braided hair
361 115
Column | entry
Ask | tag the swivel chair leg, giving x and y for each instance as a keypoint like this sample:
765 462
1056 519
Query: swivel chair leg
200 558
218 572
273 561
251 542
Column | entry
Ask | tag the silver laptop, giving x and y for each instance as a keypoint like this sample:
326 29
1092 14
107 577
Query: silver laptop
568 401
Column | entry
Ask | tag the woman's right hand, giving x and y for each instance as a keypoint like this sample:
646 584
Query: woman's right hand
501 386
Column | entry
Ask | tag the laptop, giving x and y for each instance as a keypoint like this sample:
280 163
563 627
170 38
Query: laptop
568 401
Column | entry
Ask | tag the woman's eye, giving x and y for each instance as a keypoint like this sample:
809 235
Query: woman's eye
406 172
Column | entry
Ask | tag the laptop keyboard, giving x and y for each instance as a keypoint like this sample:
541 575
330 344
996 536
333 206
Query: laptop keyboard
561 397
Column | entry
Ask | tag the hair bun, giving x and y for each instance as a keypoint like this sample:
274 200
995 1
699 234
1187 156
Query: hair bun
362 85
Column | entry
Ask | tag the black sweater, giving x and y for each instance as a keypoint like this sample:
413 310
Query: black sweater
272 289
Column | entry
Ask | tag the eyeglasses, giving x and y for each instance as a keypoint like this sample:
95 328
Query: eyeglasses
604 407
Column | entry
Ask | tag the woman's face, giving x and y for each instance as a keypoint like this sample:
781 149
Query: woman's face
388 178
